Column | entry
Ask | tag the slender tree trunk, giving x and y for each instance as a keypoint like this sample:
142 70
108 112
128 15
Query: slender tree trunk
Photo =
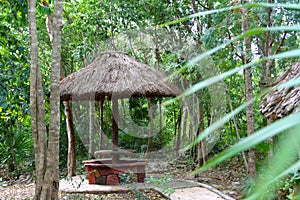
184 122
51 180
175 127
235 123
37 109
191 139
160 120
71 139
201 146
42 137
268 48
192 128
46 156
178 140
150 139
158 61
67 108
249 91
101 102
269 62
91 128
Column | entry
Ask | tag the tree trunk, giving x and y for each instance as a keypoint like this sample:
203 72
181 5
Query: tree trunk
37 109
192 129
101 102
201 146
46 157
91 129
41 142
160 120
184 122
175 127
268 65
51 179
249 91
235 123
67 108
71 140
178 140
151 122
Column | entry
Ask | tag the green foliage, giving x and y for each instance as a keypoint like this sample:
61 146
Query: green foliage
264 185
94 26
15 139
16 149
138 111
291 184
162 182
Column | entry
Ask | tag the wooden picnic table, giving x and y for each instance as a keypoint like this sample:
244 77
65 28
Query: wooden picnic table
112 152
105 172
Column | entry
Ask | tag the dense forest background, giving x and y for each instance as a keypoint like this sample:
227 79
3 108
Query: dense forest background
169 36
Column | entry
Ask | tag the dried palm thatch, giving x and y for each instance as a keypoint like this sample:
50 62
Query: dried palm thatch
279 103
116 73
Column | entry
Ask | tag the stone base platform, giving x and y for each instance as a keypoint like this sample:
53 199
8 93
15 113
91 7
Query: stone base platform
79 184
184 189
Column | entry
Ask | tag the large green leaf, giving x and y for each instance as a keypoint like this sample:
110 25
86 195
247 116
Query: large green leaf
218 124
207 82
284 161
256 138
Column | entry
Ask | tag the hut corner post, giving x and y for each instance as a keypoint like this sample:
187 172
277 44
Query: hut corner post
115 157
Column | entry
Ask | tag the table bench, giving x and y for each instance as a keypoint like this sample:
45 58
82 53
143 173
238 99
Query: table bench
104 172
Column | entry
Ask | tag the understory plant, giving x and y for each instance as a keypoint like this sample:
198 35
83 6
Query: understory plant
285 159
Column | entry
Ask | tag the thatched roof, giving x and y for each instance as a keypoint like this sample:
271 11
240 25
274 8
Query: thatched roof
116 73
279 103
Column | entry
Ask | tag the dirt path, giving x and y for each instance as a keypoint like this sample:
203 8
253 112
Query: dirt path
208 185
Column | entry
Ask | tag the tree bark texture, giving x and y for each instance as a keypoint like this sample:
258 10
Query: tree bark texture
249 91
184 124
201 146
51 181
37 109
67 107
160 120
71 139
101 133
151 122
46 156
178 140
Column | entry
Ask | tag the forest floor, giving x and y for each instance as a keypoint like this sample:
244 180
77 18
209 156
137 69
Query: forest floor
229 178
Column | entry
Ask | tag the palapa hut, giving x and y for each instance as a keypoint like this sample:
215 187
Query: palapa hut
115 75
281 102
